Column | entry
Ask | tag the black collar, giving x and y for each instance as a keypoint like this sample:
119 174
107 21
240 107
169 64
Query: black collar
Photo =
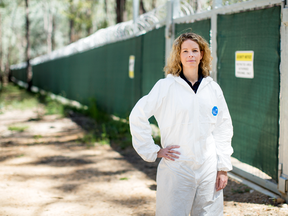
196 84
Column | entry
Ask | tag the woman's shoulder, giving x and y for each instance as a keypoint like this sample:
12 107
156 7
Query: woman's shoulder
214 85
166 82
162 86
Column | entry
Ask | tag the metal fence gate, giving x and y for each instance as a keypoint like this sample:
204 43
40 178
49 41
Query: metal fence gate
253 102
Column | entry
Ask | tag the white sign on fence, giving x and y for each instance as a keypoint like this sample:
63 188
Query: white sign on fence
244 67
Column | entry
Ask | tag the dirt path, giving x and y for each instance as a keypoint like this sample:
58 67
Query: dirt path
44 171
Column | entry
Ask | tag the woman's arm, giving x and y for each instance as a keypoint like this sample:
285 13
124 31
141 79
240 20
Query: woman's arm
222 134
140 127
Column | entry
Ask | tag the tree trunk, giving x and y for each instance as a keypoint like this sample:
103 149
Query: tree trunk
153 4
48 25
27 51
71 23
120 7
53 33
71 31
1 51
106 9
89 20
1 55
142 9
7 66
49 32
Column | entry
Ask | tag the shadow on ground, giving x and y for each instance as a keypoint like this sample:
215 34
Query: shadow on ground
233 192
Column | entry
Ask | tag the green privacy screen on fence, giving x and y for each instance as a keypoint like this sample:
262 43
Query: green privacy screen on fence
153 59
200 27
253 103
20 74
102 73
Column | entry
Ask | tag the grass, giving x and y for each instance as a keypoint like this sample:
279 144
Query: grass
22 155
13 97
124 178
53 107
37 136
18 128
89 139
107 130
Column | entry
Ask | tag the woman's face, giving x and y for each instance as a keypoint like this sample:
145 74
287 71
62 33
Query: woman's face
190 54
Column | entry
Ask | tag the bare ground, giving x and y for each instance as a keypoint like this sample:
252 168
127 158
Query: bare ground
46 171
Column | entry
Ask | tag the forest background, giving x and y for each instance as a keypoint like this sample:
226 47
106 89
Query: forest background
54 24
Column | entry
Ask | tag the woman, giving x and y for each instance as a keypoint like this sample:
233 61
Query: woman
196 132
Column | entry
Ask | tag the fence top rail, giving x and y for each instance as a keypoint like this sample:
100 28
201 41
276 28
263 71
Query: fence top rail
234 8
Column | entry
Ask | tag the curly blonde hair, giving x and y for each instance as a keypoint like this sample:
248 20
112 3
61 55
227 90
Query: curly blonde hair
174 65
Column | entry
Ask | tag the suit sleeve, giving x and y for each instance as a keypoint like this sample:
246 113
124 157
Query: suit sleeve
140 127
223 133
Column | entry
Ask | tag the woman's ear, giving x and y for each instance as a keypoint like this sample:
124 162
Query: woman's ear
201 54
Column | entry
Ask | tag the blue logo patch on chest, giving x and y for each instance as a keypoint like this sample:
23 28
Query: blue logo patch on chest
215 111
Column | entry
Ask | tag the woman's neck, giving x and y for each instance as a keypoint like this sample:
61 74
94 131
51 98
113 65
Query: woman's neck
191 74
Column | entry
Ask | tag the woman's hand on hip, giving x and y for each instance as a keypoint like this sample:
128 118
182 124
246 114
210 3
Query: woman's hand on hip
221 180
168 153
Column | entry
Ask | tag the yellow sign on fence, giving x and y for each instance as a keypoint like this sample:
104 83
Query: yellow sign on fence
244 56
131 66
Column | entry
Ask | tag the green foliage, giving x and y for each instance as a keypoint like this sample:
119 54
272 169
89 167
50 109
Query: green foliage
79 14
104 136
108 129
37 136
111 129
14 97
124 178
18 128
21 155
89 139
53 107
157 140
94 112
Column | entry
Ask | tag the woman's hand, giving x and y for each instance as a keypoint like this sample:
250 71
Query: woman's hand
168 153
221 180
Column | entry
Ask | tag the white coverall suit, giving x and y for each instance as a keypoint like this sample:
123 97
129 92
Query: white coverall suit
201 125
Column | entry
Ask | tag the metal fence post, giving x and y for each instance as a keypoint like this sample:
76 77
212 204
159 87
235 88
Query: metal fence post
216 4
169 30
214 46
283 139
135 15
